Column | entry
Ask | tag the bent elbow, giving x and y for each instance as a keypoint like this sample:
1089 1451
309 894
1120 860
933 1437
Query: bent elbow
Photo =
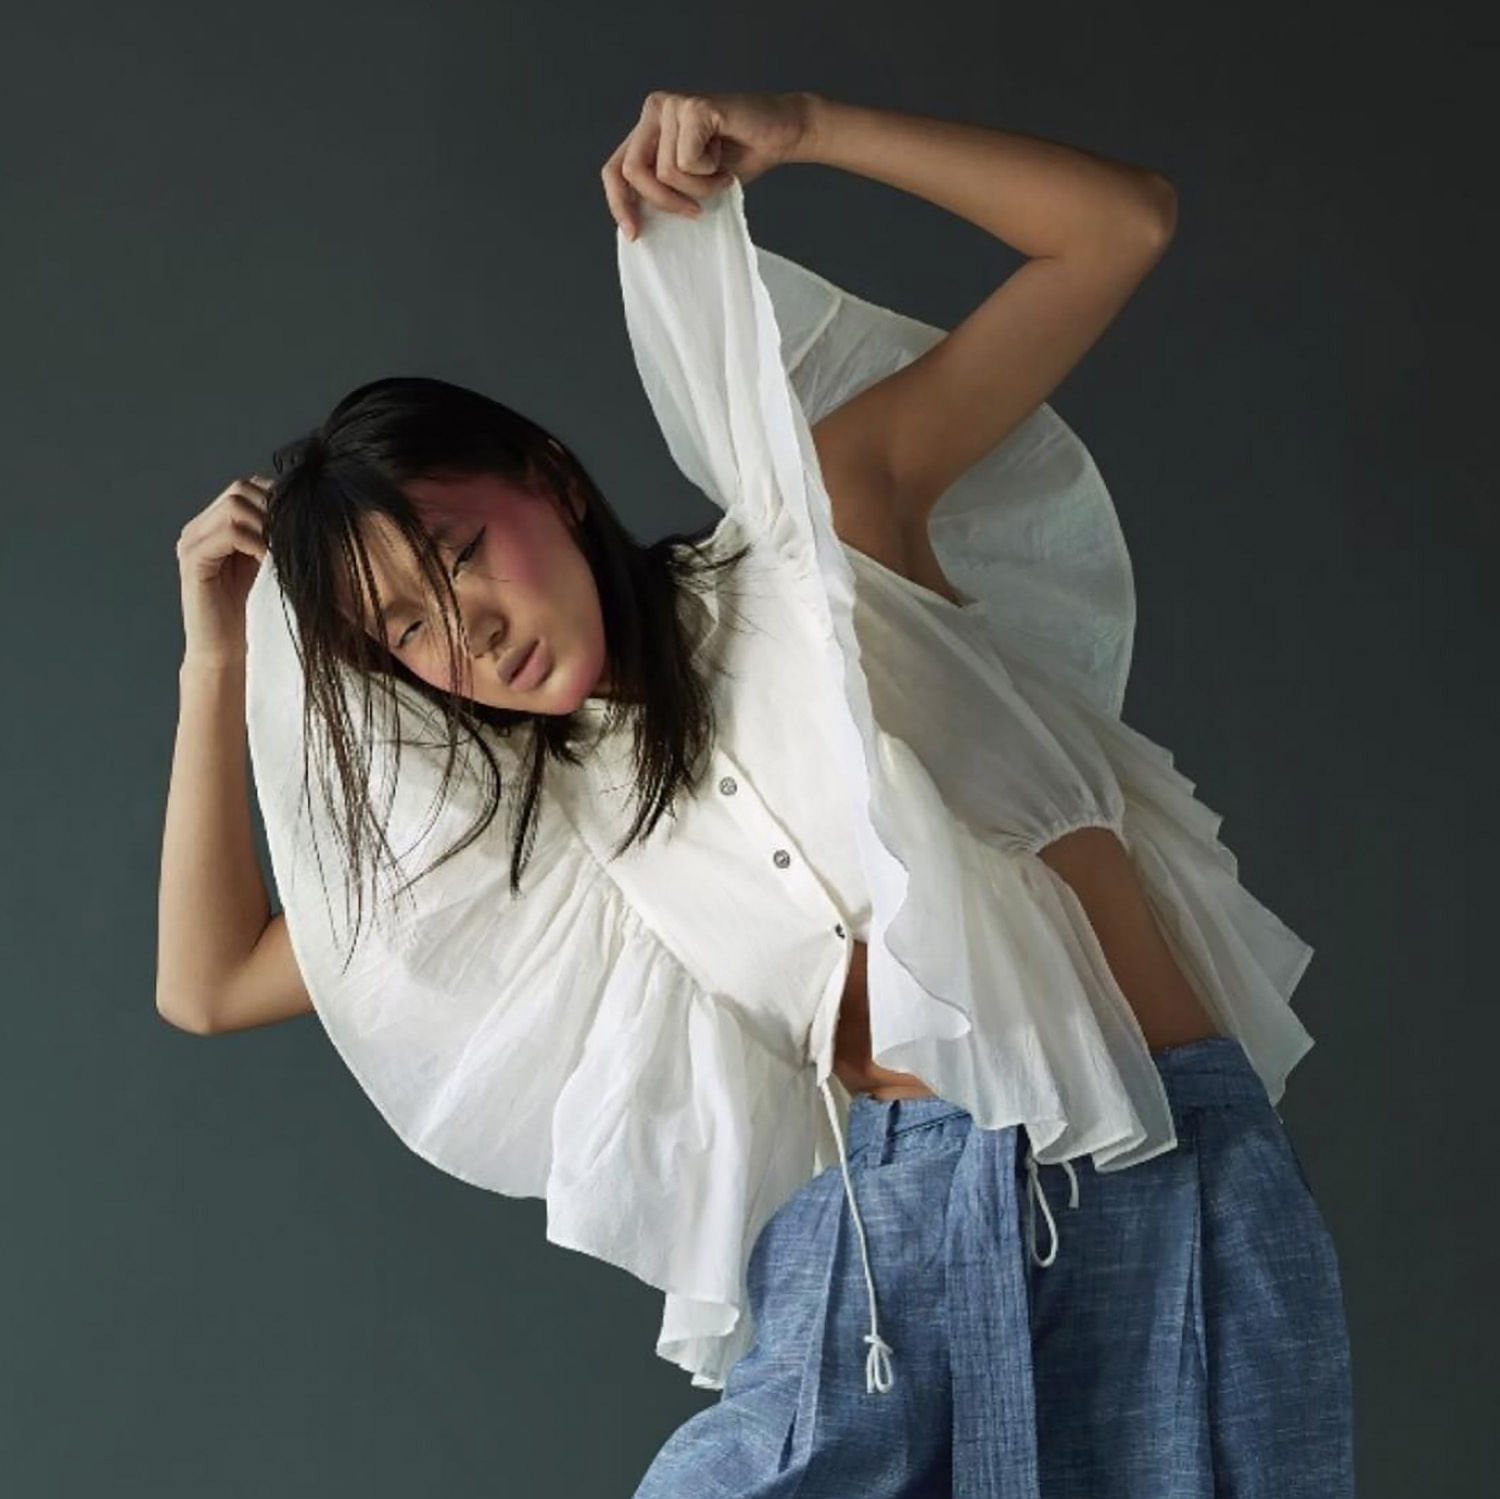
195 1019
1161 215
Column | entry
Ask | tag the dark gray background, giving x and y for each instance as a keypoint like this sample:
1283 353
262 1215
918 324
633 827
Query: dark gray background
222 1273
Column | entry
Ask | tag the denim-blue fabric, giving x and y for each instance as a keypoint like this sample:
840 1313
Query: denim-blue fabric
1187 1339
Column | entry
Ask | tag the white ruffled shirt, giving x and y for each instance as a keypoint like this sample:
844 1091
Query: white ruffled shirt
646 1041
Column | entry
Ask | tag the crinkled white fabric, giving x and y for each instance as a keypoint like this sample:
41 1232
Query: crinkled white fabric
560 1045
996 720
1003 711
549 1045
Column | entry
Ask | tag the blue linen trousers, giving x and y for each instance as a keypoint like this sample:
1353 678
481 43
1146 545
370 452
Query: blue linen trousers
1187 1338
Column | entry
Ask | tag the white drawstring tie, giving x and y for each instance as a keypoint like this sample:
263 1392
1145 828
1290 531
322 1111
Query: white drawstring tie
878 1375
1034 1185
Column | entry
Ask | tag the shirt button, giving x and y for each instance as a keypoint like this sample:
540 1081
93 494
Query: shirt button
838 926
729 786
781 858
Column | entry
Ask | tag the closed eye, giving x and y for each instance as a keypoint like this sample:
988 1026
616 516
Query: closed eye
464 556
468 551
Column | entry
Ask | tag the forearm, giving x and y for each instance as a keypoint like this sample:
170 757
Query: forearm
213 904
1039 196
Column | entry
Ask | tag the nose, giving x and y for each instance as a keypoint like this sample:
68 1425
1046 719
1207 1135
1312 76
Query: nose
479 635
490 644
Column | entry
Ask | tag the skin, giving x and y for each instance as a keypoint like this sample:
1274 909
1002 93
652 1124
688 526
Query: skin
525 578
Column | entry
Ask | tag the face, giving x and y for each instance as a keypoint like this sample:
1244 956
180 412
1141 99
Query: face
519 577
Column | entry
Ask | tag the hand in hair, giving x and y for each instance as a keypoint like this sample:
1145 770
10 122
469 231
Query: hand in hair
219 551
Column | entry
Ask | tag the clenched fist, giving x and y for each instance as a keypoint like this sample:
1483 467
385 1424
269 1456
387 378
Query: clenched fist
686 147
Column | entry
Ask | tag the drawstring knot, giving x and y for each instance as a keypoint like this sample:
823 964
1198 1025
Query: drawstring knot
878 1375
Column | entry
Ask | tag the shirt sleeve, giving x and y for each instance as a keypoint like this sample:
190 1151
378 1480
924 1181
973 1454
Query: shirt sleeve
1029 532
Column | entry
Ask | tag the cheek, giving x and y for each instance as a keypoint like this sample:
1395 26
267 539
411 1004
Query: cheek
529 571
521 563
432 666
543 568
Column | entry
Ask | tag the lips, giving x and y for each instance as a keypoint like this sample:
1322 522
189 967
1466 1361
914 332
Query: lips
517 661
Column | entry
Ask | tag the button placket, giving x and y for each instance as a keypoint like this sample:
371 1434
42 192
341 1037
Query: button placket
754 812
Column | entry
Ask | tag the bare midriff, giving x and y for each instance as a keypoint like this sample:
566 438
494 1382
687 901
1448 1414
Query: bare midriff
1097 867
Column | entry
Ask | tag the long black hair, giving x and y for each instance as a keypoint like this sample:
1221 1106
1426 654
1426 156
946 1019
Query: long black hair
385 434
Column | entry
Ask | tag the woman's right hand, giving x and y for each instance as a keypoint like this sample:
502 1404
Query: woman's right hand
219 552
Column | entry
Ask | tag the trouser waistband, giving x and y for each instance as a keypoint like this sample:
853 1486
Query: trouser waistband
1210 1070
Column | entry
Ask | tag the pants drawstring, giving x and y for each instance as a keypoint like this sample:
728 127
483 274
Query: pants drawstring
878 1374
1034 1195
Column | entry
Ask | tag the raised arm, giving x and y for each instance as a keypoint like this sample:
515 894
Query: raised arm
223 961
1093 229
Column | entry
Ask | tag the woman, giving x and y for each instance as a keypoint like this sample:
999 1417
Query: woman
889 830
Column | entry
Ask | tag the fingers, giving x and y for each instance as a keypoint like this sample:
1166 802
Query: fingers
246 498
256 489
619 195
248 536
674 145
670 159
233 521
247 501
639 169
692 164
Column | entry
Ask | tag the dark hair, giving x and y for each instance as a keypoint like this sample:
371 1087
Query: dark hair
386 433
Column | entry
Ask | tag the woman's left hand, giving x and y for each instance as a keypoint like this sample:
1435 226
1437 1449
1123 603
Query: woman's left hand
686 147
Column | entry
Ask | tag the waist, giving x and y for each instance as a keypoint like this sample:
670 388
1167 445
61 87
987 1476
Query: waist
859 1074
1212 1070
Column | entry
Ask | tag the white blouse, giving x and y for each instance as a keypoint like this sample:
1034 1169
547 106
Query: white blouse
646 1041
